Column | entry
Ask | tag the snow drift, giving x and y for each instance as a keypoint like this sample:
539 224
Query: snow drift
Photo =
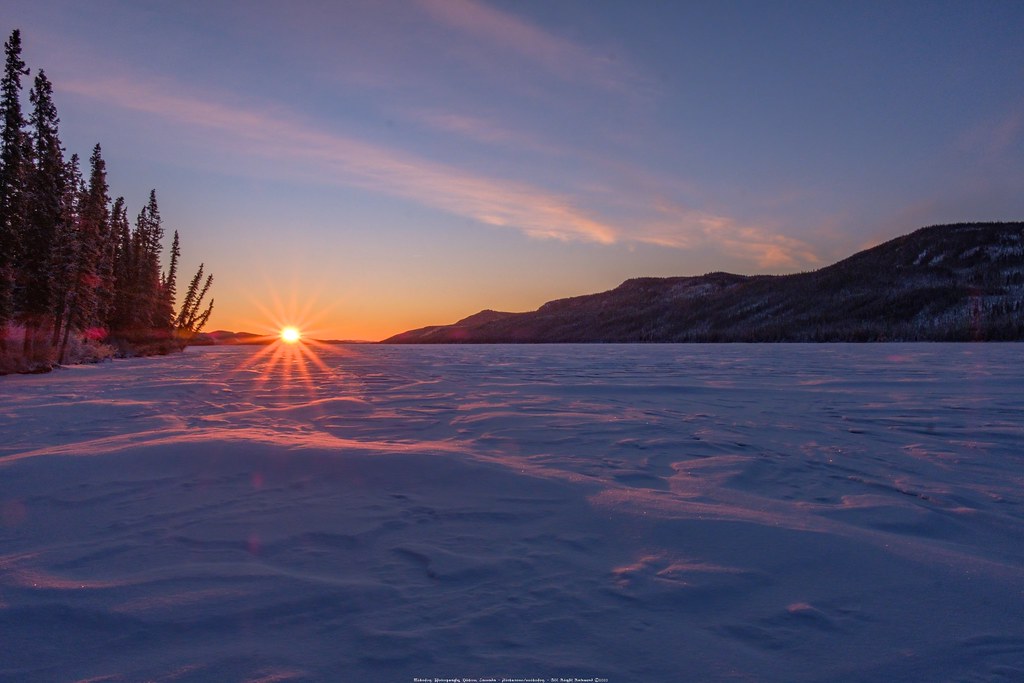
635 513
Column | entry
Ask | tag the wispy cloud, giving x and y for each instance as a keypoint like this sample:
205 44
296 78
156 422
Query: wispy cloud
537 212
476 129
681 227
348 161
558 56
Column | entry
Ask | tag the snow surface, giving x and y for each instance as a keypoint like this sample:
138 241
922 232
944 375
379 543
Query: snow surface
634 513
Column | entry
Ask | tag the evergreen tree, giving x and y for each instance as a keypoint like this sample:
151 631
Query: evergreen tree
93 223
107 264
45 200
150 237
14 160
192 317
169 286
66 257
124 268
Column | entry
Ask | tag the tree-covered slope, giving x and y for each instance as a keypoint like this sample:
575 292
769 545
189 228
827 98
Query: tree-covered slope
946 282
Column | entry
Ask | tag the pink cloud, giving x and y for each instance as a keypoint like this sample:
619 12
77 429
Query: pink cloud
685 228
348 161
303 149
476 129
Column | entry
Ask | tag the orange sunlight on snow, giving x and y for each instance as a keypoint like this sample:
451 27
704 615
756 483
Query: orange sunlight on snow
292 355
290 359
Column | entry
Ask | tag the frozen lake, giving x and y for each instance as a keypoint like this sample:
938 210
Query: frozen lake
635 513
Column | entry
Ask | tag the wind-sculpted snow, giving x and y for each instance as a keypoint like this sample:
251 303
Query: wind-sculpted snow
635 513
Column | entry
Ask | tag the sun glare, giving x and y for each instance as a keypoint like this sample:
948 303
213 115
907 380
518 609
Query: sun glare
289 349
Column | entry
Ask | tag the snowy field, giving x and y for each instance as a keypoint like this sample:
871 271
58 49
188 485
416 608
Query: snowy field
629 513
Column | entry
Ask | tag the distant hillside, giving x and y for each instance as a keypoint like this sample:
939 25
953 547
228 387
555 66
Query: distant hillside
942 283
226 338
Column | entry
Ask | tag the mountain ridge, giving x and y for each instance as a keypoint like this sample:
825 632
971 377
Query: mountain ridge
955 282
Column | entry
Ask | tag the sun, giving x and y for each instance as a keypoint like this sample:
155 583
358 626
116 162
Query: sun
290 335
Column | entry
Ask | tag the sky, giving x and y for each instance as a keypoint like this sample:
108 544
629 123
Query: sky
361 168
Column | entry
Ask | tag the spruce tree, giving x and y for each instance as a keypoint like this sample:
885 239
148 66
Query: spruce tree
192 317
124 270
66 257
93 219
45 200
169 286
150 233
14 161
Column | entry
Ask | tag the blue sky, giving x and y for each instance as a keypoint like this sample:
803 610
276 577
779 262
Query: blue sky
362 168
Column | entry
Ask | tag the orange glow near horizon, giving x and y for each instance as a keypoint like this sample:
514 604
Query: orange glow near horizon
292 355
323 310
291 360
299 317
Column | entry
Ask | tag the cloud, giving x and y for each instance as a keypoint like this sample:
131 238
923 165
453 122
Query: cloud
347 161
556 55
476 129
300 149
685 228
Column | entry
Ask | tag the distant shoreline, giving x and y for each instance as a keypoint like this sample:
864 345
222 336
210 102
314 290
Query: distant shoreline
961 282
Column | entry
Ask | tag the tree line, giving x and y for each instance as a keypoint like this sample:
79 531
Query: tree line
76 278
